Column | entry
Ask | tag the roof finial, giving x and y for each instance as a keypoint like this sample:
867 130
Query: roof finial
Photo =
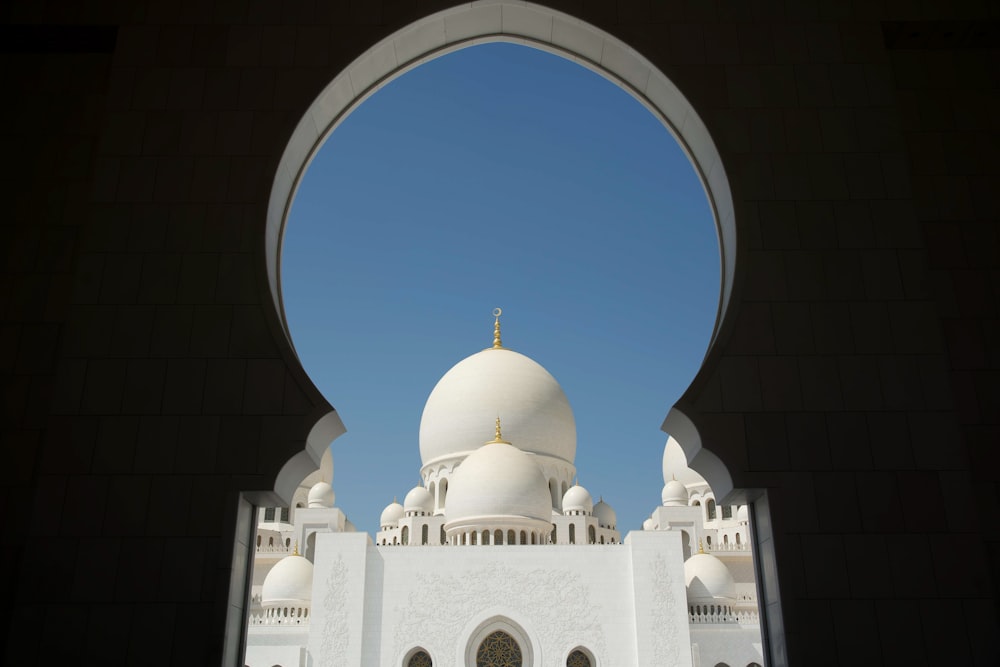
497 312
701 547
498 437
295 550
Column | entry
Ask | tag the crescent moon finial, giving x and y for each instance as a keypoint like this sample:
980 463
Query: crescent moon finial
497 345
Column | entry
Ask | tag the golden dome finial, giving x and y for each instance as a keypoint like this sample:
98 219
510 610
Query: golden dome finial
701 547
498 437
295 550
497 345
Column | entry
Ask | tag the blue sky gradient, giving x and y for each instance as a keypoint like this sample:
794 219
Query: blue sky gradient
501 175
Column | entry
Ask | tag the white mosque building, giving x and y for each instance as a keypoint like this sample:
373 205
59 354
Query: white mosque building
498 559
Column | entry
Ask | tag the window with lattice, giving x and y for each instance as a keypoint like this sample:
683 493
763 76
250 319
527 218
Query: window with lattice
419 659
499 650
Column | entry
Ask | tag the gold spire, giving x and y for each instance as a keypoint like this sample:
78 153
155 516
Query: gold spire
497 345
295 551
498 437
701 547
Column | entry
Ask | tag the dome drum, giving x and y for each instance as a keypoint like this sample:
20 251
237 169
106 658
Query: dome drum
492 524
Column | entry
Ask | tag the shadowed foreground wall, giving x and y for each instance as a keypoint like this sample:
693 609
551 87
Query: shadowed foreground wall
146 381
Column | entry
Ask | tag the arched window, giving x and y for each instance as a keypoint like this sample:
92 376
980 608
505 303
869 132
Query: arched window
443 537
423 534
270 541
737 538
405 537
710 509
572 534
486 537
511 537
578 659
592 535
268 514
475 537
443 490
708 540
420 659
499 650
524 537
259 540
725 539
497 536
288 542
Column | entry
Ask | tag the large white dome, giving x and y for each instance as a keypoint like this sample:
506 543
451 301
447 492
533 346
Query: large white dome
497 481
289 582
492 383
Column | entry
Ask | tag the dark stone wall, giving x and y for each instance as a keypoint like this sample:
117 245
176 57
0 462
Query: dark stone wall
146 382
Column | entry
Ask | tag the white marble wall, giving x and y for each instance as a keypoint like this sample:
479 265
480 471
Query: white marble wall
624 603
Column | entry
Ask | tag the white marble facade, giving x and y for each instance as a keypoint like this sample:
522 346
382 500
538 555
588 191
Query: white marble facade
498 559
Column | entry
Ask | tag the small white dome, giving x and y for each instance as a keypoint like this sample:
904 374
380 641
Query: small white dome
497 481
647 524
605 515
674 494
707 577
742 514
419 499
535 412
391 515
321 495
288 582
577 499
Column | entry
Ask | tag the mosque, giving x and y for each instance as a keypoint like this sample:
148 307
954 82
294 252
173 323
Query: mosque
499 558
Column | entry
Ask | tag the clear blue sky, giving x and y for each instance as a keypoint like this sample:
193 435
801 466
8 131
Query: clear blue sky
505 176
